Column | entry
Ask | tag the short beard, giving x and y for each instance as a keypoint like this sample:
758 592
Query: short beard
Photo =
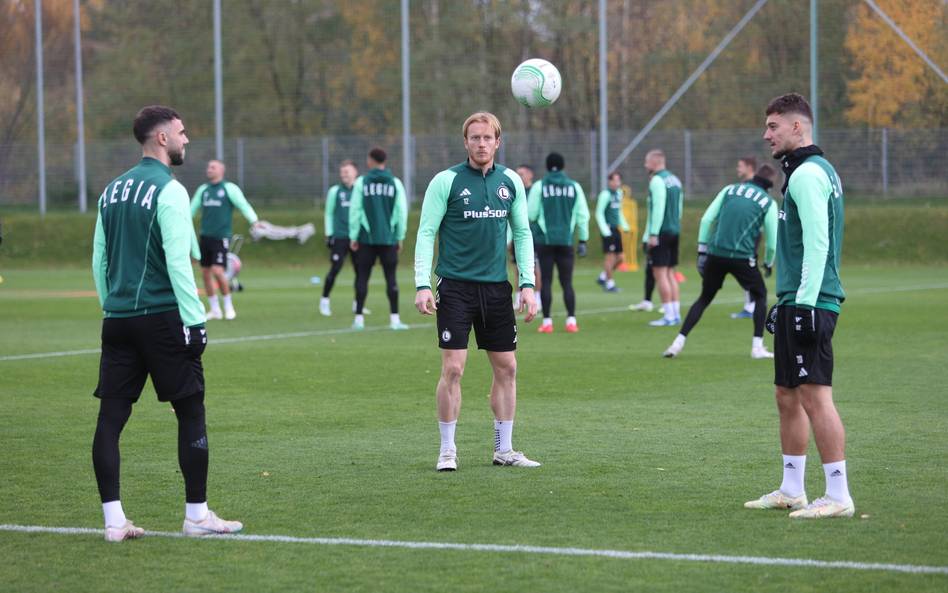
176 156
782 153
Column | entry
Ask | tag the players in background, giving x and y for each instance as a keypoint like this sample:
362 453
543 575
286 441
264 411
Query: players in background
378 220
337 229
558 205
662 231
610 219
218 197
469 207
737 213
746 168
809 295
526 176
154 320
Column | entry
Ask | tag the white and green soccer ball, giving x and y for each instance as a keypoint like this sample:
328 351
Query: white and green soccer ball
536 83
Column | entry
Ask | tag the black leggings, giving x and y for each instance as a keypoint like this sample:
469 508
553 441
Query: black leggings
649 275
748 277
562 256
362 285
192 445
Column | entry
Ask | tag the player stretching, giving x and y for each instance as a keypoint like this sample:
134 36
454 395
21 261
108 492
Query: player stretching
662 231
809 294
610 219
558 206
378 220
746 169
336 222
737 213
154 321
469 206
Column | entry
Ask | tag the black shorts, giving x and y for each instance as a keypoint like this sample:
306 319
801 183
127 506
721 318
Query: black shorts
366 255
612 243
339 248
213 252
745 271
486 307
153 344
665 254
794 364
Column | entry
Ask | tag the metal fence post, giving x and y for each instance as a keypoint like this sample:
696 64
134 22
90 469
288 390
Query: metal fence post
240 162
687 164
325 172
593 178
885 163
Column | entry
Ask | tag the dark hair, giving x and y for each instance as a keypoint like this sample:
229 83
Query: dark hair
527 167
614 174
768 172
350 163
378 155
750 161
150 118
793 103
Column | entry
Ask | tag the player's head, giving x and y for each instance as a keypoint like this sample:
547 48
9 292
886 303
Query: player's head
555 162
746 165
377 158
615 180
768 172
160 132
215 170
481 138
348 171
789 124
654 161
526 174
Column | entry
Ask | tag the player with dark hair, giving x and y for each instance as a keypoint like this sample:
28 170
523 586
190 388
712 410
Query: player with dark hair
469 207
378 220
336 223
809 295
154 321
746 169
558 206
610 219
662 231
218 198
737 213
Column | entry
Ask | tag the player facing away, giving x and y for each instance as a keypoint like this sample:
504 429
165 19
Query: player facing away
378 220
737 213
610 219
526 176
154 320
746 169
662 231
558 206
218 197
469 207
809 295
336 222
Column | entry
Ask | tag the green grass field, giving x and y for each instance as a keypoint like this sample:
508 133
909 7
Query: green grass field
320 432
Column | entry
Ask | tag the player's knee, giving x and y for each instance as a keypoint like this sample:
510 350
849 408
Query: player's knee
451 371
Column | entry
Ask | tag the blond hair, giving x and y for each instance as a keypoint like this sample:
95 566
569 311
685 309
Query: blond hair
482 117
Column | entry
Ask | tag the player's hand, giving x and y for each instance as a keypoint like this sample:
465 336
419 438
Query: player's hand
702 259
804 322
195 341
330 241
653 241
528 303
399 248
256 224
424 298
581 249
768 270
354 245
771 322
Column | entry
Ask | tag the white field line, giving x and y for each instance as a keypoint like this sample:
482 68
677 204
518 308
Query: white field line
420 325
619 554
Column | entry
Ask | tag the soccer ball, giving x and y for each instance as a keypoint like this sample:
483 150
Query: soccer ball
536 83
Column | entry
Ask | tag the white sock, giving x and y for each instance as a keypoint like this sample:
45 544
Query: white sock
355 304
793 470
213 302
679 341
323 300
669 310
570 320
196 511
646 303
837 484
359 318
114 515
602 276
503 435
547 321
677 308
393 318
748 302
758 342
610 283
227 302
447 435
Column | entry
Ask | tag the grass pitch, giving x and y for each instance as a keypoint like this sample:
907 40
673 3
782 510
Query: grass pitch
320 432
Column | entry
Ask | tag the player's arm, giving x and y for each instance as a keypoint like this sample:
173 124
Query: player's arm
519 221
196 200
400 212
432 213
355 211
623 223
180 244
601 202
710 216
330 214
535 203
770 231
811 189
99 266
658 193
238 199
581 213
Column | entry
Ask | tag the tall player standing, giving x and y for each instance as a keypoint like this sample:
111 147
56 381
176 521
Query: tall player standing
468 206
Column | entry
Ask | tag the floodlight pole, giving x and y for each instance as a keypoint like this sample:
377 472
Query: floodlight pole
406 106
603 98
814 71
80 116
40 120
218 85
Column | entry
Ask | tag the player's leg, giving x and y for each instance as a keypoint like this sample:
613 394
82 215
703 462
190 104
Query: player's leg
220 276
752 281
389 260
547 259
710 285
646 304
339 248
503 402
208 252
363 259
664 276
457 306
565 260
